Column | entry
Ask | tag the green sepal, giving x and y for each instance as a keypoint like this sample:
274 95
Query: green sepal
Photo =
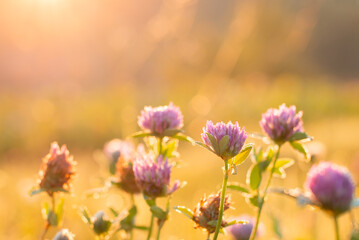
184 210
299 136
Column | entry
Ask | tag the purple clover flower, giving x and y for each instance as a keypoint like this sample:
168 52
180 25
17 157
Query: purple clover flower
244 231
281 124
154 177
213 134
159 119
331 186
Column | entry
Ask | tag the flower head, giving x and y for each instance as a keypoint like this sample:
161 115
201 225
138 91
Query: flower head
331 187
159 119
64 234
280 124
101 223
57 170
213 134
244 231
207 211
153 177
125 176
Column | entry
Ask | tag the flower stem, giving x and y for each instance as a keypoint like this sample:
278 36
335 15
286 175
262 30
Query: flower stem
223 195
159 231
261 203
47 224
150 228
336 227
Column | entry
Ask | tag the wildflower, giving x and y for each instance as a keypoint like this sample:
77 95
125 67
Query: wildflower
101 223
160 119
213 135
205 214
64 234
57 170
331 187
243 231
281 124
152 177
125 177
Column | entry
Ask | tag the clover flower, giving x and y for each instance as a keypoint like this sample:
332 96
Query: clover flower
331 187
57 170
281 124
159 119
153 177
244 231
205 214
125 176
64 234
215 137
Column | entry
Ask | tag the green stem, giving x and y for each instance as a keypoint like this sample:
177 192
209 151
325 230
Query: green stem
261 203
209 236
159 231
336 227
47 224
150 228
224 187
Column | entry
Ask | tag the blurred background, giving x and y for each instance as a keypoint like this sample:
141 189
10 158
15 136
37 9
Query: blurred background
79 72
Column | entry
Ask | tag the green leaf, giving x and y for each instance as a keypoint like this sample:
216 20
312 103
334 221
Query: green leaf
258 155
223 144
299 147
36 191
141 134
170 148
184 210
52 218
183 137
254 176
143 228
238 187
255 200
150 201
158 213
279 172
85 215
204 146
213 143
59 210
114 212
171 132
45 210
236 222
284 163
299 136
212 223
243 154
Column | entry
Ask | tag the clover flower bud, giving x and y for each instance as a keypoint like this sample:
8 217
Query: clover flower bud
57 170
215 137
244 231
64 234
281 124
207 211
101 223
159 119
153 177
331 187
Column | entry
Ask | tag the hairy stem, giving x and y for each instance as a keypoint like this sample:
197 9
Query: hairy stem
260 207
224 187
337 237
151 227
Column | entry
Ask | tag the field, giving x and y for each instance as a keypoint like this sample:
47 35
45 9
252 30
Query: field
80 73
